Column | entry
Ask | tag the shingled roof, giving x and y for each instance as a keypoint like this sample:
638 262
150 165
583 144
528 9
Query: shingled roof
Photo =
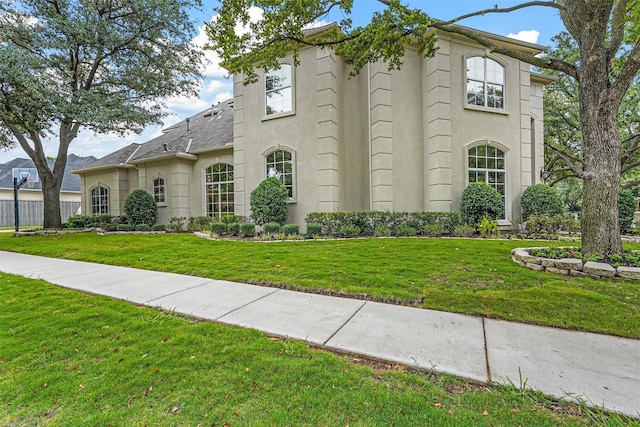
70 182
211 128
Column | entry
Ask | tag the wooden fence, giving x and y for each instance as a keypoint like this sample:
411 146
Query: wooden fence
31 212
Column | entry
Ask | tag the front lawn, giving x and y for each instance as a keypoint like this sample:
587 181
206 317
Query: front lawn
67 358
472 276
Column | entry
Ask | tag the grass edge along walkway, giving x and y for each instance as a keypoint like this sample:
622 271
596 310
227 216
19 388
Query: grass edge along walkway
69 358
469 276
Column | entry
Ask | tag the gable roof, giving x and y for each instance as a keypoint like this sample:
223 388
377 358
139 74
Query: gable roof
70 182
209 129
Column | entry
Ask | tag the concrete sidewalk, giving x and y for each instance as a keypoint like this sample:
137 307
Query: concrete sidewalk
600 369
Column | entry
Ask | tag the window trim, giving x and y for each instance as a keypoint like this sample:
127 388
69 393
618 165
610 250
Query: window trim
505 151
291 151
218 183
485 55
100 196
164 190
290 112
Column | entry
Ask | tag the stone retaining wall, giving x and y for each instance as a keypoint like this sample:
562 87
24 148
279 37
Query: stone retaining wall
572 266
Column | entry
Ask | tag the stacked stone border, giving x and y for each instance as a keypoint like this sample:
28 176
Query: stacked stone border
572 266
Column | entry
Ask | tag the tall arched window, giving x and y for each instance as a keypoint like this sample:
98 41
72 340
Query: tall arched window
280 164
99 200
219 190
487 164
485 82
158 191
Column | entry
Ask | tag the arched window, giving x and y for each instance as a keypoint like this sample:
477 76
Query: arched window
279 90
219 190
158 191
485 82
280 164
487 164
99 200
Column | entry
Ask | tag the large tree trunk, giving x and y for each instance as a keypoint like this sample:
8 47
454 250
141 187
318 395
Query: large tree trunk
601 146
51 199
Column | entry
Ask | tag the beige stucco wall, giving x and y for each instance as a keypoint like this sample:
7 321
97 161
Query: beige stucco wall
387 140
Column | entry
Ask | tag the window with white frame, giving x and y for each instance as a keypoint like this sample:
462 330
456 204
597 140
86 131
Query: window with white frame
280 164
158 191
219 190
485 82
487 164
99 200
279 90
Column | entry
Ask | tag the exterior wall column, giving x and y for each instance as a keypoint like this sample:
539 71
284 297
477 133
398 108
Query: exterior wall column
526 150
180 189
240 194
381 134
436 94
327 131
120 191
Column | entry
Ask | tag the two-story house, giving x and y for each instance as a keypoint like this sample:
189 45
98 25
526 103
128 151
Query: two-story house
405 140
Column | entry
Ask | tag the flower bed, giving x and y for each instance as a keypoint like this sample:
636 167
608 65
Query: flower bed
571 265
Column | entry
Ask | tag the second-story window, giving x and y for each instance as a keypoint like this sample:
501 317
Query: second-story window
278 90
485 82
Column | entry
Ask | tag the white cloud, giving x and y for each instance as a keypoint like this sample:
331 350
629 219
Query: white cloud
530 36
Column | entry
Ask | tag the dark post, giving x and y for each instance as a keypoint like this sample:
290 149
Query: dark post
15 200
16 187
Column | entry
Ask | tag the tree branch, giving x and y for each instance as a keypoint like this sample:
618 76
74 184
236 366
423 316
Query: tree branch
627 74
617 28
575 168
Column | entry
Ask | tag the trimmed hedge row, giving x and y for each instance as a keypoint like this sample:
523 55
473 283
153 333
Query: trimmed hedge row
380 223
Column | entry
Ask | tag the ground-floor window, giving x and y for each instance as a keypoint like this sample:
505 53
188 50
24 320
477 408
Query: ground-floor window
487 164
280 164
219 190
158 191
99 200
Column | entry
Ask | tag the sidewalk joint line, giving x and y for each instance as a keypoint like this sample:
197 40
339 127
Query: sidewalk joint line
177 292
486 349
217 319
344 324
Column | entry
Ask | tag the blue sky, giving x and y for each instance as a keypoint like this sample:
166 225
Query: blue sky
536 24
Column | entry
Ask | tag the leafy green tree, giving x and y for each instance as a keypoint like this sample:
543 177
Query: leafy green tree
269 202
606 33
98 65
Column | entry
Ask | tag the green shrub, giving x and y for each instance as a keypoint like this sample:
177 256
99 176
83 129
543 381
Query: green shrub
141 208
233 228
463 230
433 230
626 209
177 224
538 224
247 229
230 219
124 227
349 231
381 230
541 199
111 227
142 227
77 221
269 202
159 227
488 227
271 228
405 230
478 200
218 228
314 229
291 229
199 223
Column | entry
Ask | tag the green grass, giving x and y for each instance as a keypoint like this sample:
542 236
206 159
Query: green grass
67 358
471 276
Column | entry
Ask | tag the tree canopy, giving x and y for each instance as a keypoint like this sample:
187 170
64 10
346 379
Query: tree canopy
101 65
